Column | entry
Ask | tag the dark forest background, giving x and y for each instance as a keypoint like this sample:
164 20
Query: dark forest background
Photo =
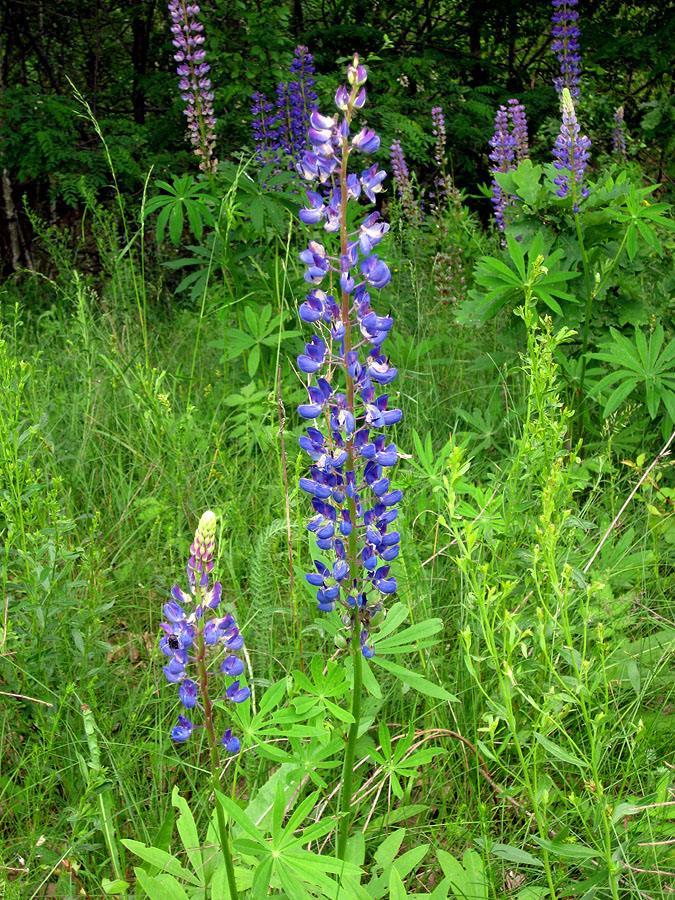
465 56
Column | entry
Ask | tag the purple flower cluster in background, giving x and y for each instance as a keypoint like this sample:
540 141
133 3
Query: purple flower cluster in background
192 627
519 129
404 186
502 157
438 130
509 147
195 85
280 130
570 154
565 32
445 188
354 504
619 134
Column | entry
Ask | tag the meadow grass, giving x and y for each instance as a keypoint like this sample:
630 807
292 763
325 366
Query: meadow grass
115 438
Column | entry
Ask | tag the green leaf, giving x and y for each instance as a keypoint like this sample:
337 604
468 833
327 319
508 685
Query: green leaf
516 254
397 889
386 852
558 752
410 860
261 880
160 860
411 638
567 851
618 395
160 887
631 241
257 214
414 680
369 680
187 829
238 815
254 360
515 855
176 223
118 886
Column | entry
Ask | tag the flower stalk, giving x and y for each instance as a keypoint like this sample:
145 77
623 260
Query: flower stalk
193 635
354 506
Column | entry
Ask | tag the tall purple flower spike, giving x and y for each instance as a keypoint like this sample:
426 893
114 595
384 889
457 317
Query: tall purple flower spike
619 134
438 131
194 631
565 32
349 479
519 130
502 157
280 129
404 186
195 85
570 154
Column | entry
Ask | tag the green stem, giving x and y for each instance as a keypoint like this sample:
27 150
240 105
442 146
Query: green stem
346 812
587 313
215 766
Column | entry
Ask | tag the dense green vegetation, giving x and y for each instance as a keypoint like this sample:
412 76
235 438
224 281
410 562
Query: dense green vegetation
517 727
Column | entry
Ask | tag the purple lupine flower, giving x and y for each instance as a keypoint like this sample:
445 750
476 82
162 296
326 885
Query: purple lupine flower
193 627
565 32
519 129
302 100
280 131
570 154
265 129
438 131
404 186
354 506
502 156
619 134
443 182
195 85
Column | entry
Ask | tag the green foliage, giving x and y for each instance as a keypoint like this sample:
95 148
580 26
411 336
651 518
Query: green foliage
261 334
508 284
184 197
647 364
517 719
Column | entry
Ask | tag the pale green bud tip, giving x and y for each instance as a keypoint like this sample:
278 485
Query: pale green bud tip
207 523
205 541
356 73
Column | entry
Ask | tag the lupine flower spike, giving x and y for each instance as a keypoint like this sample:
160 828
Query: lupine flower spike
570 154
519 130
619 134
353 500
265 129
195 85
502 156
196 638
565 32
444 184
280 131
404 186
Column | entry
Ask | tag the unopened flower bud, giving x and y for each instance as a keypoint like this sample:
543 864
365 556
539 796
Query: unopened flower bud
356 73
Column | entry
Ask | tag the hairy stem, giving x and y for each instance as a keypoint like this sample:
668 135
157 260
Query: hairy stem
348 768
215 767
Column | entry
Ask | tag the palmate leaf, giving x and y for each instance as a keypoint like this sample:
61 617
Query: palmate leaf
184 197
642 363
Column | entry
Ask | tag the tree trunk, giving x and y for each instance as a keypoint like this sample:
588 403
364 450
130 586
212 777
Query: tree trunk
12 221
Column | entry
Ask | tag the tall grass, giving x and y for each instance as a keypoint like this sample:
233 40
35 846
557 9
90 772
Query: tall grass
555 762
